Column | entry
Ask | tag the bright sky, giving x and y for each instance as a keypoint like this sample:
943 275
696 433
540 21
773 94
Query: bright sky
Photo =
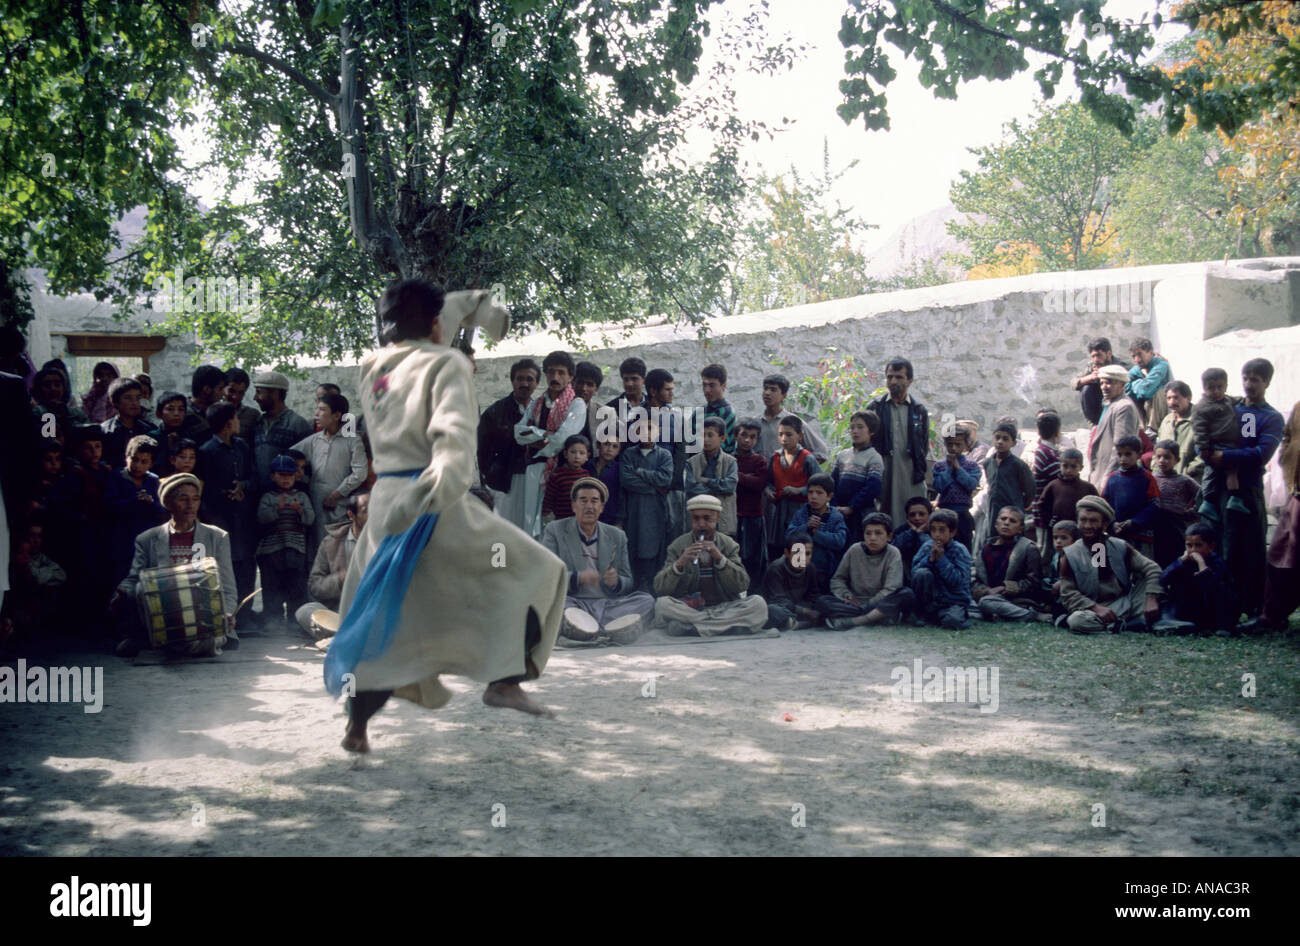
902 172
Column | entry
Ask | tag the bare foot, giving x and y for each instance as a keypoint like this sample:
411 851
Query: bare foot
355 740
512 695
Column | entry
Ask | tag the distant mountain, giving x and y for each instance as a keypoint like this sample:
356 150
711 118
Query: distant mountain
920 239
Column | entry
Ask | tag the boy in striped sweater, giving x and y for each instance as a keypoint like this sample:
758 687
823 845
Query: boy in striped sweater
285 514
713 381
556 503
1046 467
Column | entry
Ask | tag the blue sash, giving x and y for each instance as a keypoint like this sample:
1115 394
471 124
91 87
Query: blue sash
368 628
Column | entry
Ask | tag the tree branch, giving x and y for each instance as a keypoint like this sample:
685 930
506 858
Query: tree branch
297 75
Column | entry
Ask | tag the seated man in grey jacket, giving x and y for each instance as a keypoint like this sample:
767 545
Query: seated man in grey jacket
600 573
181 539
328 571
698 590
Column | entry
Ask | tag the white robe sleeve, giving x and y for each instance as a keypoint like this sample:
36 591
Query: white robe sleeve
451 428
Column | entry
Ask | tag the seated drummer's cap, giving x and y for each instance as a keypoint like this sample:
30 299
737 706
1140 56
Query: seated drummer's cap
1112 373
284 464
169 483
704 502
272 379
589 482
1097 503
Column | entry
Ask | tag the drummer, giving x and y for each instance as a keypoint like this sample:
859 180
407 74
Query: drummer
176 542
600 573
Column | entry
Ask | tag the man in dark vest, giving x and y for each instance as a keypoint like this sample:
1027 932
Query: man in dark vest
1106 584
903 440
499 456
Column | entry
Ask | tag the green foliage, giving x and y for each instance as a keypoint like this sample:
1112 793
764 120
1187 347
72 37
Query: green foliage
957 41
1172 205
840 387
91 99
15 296
798 247
525 146
1046 188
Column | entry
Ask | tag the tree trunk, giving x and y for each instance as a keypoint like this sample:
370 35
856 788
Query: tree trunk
373 231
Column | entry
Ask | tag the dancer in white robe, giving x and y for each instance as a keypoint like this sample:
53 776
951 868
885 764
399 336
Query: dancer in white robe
475 596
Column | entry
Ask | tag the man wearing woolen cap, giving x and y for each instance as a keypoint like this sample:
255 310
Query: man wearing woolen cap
1119 418
600 572
1106 584
698 591
279 428
179 540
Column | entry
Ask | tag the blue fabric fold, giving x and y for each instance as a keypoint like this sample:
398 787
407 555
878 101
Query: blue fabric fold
372 620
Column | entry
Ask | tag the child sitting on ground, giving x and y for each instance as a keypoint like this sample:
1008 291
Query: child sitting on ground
956 478
1134 495
37 594
868 588
1178 501
555 502
605 469
1064 534
789 470
712 472
941 575
824 522
790 585
1008 572
1214 427
908 539
284 515
1199 590
131 499
858 473
751 480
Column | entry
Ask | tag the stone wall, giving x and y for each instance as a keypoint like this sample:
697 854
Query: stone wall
980 349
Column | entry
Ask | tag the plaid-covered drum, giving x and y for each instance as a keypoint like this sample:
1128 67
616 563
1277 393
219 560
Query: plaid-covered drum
182 603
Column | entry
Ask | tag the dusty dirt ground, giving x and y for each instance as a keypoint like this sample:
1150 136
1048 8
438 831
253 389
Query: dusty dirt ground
1154 729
